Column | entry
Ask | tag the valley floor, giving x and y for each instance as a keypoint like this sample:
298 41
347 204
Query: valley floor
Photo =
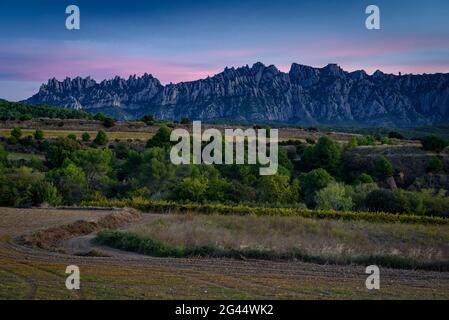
27 273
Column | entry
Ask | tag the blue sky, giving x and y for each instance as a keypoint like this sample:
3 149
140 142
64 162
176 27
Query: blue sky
180 40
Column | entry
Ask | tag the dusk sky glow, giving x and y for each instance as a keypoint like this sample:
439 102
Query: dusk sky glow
180 40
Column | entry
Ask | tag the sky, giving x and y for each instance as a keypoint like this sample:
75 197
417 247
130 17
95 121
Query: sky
185 40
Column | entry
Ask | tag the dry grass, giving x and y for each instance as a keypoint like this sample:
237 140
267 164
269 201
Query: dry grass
323 238
37 274
64 133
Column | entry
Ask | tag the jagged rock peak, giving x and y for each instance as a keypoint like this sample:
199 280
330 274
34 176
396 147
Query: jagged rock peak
260 93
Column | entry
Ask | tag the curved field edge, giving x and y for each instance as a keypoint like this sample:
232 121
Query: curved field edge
173 207
133 242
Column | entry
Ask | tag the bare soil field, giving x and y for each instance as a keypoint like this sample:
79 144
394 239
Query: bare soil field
30 273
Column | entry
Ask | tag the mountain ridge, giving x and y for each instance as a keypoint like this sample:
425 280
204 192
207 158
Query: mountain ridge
261 93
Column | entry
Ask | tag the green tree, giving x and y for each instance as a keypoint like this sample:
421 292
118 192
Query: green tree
364 178
39 134
383 167
334 197
46 192
70 181
96 164
17 187
85 136
101 138
435 165
3 156
359 193
122 150
396 135
312 182
108 122
16 133
59 151
161 139
284 161
148 120
277 189
434 143
193 189
152 169
325 154
381 200
99 116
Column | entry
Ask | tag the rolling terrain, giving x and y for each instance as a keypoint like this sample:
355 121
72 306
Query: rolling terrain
32 273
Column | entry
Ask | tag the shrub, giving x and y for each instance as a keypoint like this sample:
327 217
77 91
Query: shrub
366 141
277 189
3 155
353 143
148 120
174 207
433 143
46 192
142 244
71 136
101 138
12 140
18 187
325 154
108 122
58 152
71 182
310 141
381 200
364 178
193 189
435 203
359 194
85 136
435 165
25 117
96 164
408 202
161 138
39 134
99 116
334 197
396 135
383 167
312 182
385 140
16 133
27 141
143 192
122 150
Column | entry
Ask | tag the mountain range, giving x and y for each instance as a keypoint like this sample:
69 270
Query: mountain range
260 93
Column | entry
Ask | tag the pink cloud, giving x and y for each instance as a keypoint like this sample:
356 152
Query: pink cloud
41 61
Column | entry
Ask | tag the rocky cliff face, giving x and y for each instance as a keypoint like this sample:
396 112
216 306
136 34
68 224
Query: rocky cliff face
260 93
